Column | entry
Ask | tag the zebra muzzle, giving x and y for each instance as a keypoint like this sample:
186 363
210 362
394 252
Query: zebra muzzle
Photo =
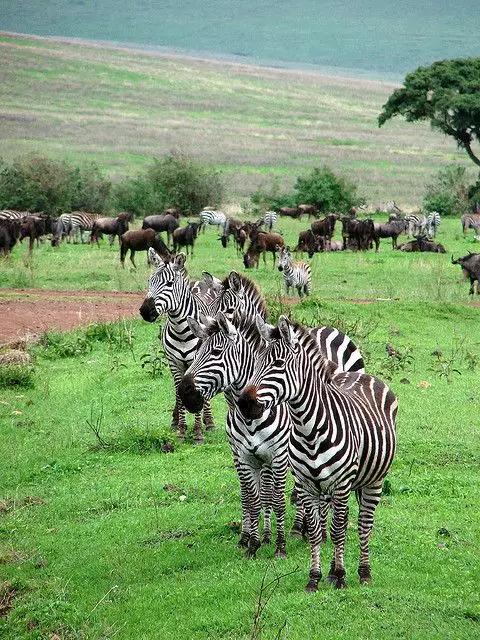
148 311
249 405
191 398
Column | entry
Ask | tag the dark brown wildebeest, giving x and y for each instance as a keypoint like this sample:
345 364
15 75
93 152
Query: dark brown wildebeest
310 243
141 240
357 234
471 269
159 223
421 243
390 229
236 229
34 227
308 209
262 243
325 227
290 212
111 227
186 236
9 234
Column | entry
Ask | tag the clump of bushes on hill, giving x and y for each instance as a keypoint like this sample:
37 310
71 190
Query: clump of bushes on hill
36 183
449 192
321 187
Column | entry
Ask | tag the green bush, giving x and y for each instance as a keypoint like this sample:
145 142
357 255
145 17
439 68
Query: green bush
90 189
16 375
135 195
264 199
327 191
448 192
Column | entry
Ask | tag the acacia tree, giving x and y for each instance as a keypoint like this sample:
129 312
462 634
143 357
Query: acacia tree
448 94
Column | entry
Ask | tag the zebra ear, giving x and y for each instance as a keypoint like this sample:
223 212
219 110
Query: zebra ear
154 259
207 321
179 261
286 331
226 326
196 328
264 329
210 280
235 282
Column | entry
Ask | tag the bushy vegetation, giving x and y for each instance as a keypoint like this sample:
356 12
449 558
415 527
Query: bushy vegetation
448 193
16 375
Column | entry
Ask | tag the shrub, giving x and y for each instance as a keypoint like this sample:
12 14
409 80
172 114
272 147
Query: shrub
90 189
134 194
327 191
16 375
448 192
272 198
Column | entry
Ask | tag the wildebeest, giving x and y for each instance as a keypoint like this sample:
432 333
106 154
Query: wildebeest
159 223
109 226
390 229
423 244
141 240
9 234
262 243
290 212
173 211
33 227
236 229
357 234
325 227
310 243
471 269
308 209
186 236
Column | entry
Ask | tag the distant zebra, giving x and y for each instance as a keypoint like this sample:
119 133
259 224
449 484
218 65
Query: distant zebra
212 217
470 221
416 222
76 223
433 223
270 219
224 363
7 214
295 274
342 439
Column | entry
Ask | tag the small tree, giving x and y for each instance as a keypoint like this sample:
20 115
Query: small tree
448 192
446 93
327 191
134 194
91 189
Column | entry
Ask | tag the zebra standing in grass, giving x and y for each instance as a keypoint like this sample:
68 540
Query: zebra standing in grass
212 217
270 219
7 214
433 223
470 221
295 274
416 222
74 224
169 292
342 439
224 363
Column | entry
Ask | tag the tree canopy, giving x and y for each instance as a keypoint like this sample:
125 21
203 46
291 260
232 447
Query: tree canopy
448 94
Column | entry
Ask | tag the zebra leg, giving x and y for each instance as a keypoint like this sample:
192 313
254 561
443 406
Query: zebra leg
297 527
280 478
338 532
245 502
368 499
310 505
198 437
251 477
207 416
324 508
266 498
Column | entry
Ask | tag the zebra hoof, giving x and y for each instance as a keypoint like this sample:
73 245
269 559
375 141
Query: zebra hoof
244 539
312 586
209 426
253 546
364 574
199 440
267 538
337 578
296 532
280 552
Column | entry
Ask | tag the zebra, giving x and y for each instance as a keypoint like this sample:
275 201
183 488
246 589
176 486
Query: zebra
416 222
470 221
433 222
295 274
212 217
170 293
224 363
270 219
342 438
75 223
7 214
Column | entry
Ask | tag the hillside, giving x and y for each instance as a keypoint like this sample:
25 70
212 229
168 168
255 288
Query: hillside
120 107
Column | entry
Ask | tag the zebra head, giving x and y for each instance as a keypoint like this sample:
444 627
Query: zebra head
276 372
232 300
217 361
165 286
284 257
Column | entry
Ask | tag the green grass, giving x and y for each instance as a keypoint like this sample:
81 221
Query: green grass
122 540
122 107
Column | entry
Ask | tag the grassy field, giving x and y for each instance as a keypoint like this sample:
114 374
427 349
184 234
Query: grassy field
121 540
121 107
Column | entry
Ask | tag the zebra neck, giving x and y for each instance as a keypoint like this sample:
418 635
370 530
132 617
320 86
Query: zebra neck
189 306
308 409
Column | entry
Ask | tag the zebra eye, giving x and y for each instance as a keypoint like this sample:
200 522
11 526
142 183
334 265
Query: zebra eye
278 363
216 352
169 283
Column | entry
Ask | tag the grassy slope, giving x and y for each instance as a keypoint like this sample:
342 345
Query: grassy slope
112 553
121 107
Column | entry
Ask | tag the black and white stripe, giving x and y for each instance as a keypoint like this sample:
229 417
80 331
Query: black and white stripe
213 217
470 221
76 223
342 438
416 222
296 275
433 223
7 214
270 219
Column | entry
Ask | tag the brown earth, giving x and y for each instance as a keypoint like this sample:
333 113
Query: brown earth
31 312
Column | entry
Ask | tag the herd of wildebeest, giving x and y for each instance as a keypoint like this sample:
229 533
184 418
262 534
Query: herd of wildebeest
251 238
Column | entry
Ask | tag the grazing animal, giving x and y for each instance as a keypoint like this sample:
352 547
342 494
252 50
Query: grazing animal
270 219
342 438
290 212
232 227
141 240
109 226
423 244
173 211
391 229
185 237
8 214
470 221
297 275
433 223
357 234
159 223
325 227
262 243
9 234
77 222
310 243
471 269
212 217
169 293
416 223
34 227
224 363
308 209
61 229
334 245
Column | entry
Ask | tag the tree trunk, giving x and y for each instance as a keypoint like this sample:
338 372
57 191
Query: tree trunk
471 155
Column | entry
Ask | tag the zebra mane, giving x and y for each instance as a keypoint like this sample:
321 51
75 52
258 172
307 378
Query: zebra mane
251 290
244 325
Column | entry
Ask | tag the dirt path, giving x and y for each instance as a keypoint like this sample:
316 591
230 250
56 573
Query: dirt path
24 312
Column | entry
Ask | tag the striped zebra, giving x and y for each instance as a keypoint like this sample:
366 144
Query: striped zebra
470 221
169 293
224 363
270 219
433 223
212 217
7 214
74 224
416 222
342 439
297 275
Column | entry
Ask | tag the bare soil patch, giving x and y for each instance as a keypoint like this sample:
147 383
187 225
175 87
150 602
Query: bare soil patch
31 312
